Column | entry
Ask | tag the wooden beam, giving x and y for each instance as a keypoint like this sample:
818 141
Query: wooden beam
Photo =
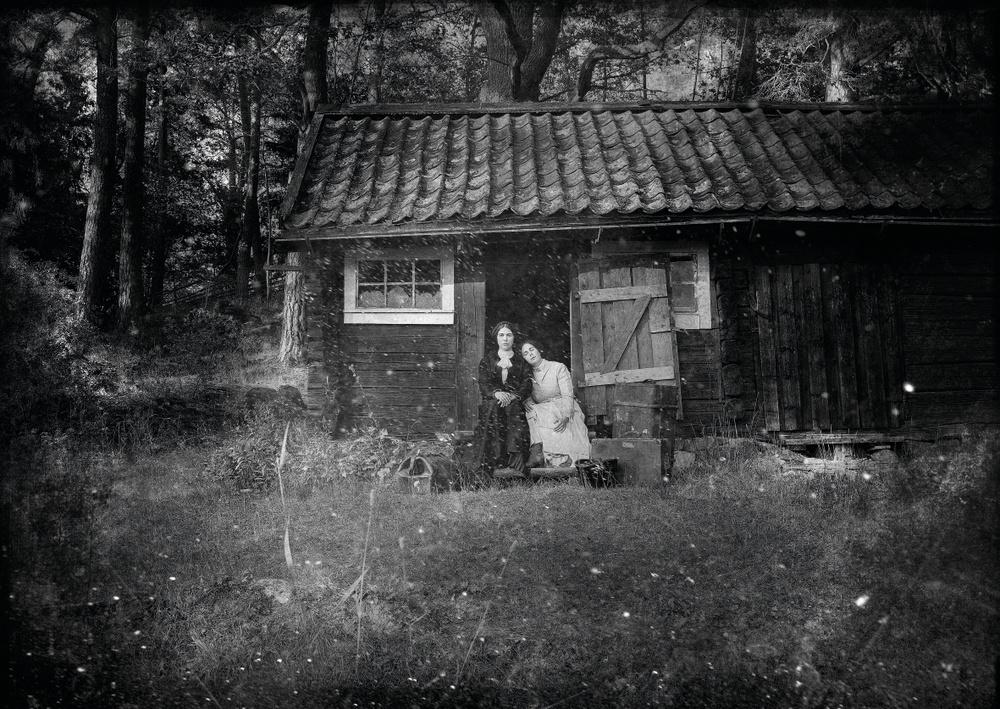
602 295
630 376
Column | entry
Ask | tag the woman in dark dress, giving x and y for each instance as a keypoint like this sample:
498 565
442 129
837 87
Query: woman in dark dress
501 438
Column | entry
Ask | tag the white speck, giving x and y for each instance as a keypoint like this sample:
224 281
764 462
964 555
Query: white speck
138 632
173 578
626 614
655 576
420 530
115 598
860 601
866 476
689 579
595 570
908 388
691 545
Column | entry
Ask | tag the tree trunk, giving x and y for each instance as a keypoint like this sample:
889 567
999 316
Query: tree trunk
158 245
501 59
293 314
243 248
842 59
133 195
96 267
745 83
521 37
314 92
251 206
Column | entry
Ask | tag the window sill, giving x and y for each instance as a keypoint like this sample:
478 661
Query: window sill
400 317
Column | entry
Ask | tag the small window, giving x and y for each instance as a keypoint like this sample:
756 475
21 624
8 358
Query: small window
690 291
402 286
688 275
683 284
395 284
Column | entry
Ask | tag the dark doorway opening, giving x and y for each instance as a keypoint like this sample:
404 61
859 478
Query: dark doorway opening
536 297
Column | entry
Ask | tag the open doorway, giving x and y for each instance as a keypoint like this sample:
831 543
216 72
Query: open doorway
534 295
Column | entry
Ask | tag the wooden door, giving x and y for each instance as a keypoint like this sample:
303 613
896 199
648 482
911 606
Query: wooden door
624 331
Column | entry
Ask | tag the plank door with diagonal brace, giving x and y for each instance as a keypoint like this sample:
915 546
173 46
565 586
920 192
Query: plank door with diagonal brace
626 334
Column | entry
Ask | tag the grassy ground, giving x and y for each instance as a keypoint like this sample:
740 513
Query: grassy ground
134 567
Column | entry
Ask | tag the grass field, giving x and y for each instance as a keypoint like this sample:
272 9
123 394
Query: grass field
132 584
146 567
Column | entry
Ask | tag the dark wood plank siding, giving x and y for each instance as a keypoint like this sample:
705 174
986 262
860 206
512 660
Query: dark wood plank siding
470 338
404 377
947 306
827 338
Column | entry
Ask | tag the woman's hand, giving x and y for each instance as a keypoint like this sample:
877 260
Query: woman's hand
528 404
505 398
561 424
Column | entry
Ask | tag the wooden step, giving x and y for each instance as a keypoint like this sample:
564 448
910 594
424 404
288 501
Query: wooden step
564 472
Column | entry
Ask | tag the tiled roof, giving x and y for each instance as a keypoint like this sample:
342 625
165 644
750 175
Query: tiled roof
370 170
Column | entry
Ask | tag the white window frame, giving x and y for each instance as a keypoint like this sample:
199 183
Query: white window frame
700 320
445 315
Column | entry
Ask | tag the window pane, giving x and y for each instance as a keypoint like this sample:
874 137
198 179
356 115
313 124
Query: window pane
370 272
427 271
399 297
371 297
399 271
682 272
428 296
683 297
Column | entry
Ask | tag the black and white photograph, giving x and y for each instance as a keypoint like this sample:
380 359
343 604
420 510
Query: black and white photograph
505 354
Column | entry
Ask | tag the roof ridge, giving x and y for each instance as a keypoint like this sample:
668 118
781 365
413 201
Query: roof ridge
432 109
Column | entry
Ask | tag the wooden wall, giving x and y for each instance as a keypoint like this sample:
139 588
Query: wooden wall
807 335
874 329
948 308
404 377
414 380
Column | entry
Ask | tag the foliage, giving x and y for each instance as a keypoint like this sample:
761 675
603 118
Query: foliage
43 373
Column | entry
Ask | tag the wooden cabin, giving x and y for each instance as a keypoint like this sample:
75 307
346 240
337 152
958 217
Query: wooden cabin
794 270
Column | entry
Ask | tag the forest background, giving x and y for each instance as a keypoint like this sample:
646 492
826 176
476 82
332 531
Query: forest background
146 150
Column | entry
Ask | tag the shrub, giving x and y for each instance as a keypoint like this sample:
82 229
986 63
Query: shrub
248 461
43 375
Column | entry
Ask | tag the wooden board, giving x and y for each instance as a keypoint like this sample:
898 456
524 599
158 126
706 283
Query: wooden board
871 385
942 407
815 357
787 329
952 376
591 335
653 374
838 314
470 329
767 342
892 343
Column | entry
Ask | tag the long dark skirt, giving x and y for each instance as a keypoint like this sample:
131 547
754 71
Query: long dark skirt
501 438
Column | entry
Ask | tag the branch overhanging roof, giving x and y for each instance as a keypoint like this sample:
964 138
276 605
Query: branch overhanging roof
417 169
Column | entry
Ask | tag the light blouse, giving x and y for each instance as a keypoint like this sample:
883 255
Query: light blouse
552 381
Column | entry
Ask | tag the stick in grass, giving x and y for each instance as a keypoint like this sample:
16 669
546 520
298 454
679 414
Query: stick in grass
281 489
482 620
361 579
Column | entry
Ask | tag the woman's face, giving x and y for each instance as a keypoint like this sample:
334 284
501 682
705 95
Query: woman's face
531 354
505 338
